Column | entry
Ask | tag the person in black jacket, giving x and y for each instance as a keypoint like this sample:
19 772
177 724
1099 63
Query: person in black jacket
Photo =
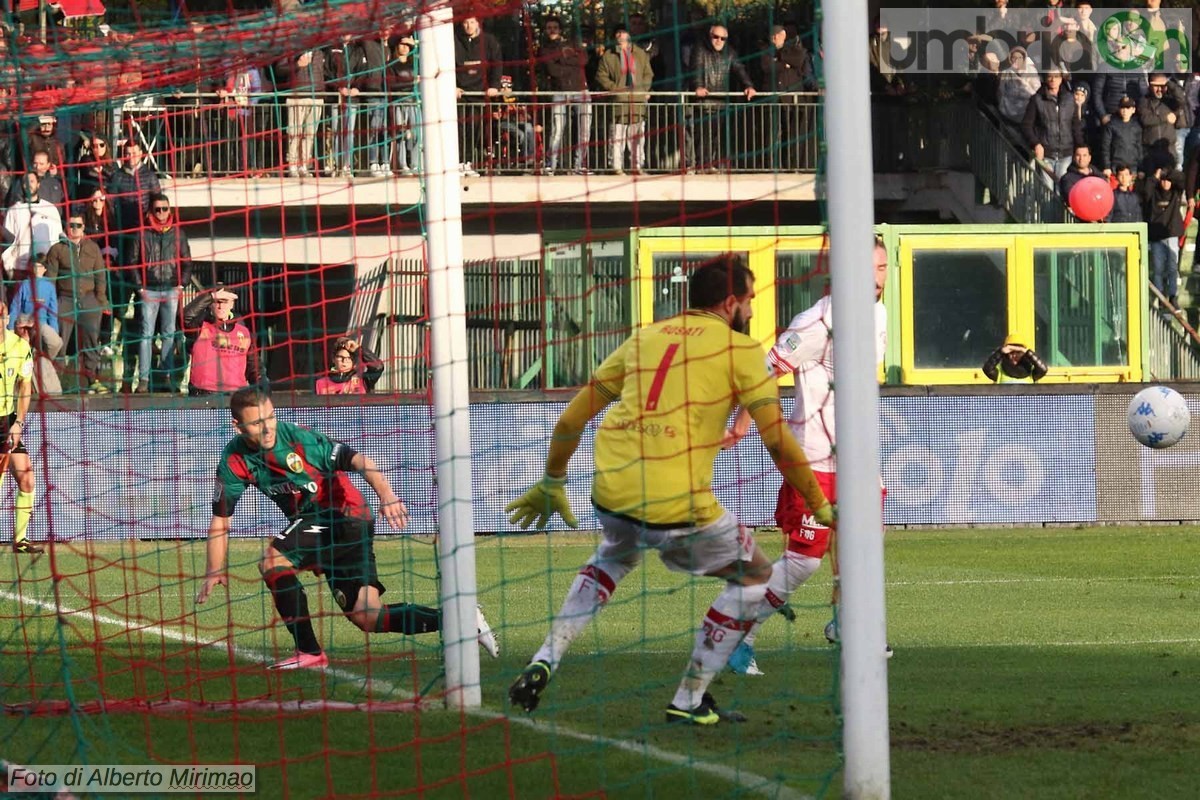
1127 203
786 68
713 62
163 258
1161 113
1051 126
1081 167
1121 139
563 75
479 64
1110 84
1163 207
1014 362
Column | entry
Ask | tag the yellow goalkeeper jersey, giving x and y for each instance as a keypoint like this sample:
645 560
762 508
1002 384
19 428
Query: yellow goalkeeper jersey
17 360
674 383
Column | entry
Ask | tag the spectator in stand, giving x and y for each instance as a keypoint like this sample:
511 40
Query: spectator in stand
359 73
514 119
713 63
1110 83
639 29
353 369
1081 167
374 83
986 87
37 298
998 17
1087 29
241 93
50 185
626 73
402 86
1121 139
1163 206
164 260
97 226
96 167
1191 91
45 377
81 279
8 153
1071 54
1051 126
43 137
1191 183
478 63
305 75
1180 85
30 226
1087 115
348 68
1014 362
129 190
1019 82
786 69
224 358
1127 202
1161 112
564 65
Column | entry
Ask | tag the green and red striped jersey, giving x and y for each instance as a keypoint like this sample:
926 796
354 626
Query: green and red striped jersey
304 474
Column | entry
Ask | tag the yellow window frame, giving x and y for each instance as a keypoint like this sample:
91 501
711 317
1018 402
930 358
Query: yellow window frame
761 252
1090 239
910 242
1019 251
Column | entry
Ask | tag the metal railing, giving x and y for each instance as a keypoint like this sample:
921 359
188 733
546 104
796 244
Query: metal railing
1172 352
1025 191
199 135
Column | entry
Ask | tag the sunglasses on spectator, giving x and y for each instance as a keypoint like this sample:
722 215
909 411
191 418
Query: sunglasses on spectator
74 224
1158 86
716 38
99 145
161 209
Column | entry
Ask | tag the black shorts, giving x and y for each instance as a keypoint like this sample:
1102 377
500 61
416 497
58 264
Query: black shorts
6 423
341 549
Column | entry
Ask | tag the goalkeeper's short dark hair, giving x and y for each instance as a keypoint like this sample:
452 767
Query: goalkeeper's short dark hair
247 397
717 279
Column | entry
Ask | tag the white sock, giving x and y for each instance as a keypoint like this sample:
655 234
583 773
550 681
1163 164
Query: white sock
787 574
589 592
731 615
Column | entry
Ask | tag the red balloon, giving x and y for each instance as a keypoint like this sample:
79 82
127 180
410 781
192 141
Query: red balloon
1091 200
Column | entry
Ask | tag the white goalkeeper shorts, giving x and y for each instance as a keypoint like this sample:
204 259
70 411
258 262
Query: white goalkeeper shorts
694 550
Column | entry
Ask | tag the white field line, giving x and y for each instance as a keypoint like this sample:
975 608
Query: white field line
519 590
1046 579
747 781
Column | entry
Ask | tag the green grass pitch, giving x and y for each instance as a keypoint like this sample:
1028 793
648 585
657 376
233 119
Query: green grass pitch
1029 663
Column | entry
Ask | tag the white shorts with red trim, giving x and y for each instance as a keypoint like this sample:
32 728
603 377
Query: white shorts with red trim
696 550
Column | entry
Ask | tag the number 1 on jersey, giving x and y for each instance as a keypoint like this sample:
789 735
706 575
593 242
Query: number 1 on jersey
660 377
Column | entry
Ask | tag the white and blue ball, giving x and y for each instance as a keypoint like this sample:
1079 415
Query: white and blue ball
1158 417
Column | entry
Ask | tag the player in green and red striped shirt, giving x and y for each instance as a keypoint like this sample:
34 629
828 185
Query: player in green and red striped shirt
330 530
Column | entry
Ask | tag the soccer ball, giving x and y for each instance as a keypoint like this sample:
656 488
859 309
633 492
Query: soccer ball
1158 417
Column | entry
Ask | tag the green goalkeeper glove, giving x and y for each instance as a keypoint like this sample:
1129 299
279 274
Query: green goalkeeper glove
538 505
825 515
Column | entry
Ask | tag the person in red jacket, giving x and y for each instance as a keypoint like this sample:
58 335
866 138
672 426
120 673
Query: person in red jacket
353 369
224 358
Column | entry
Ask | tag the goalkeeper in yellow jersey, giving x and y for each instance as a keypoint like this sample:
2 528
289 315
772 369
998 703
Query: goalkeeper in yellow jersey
674 384
17 387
